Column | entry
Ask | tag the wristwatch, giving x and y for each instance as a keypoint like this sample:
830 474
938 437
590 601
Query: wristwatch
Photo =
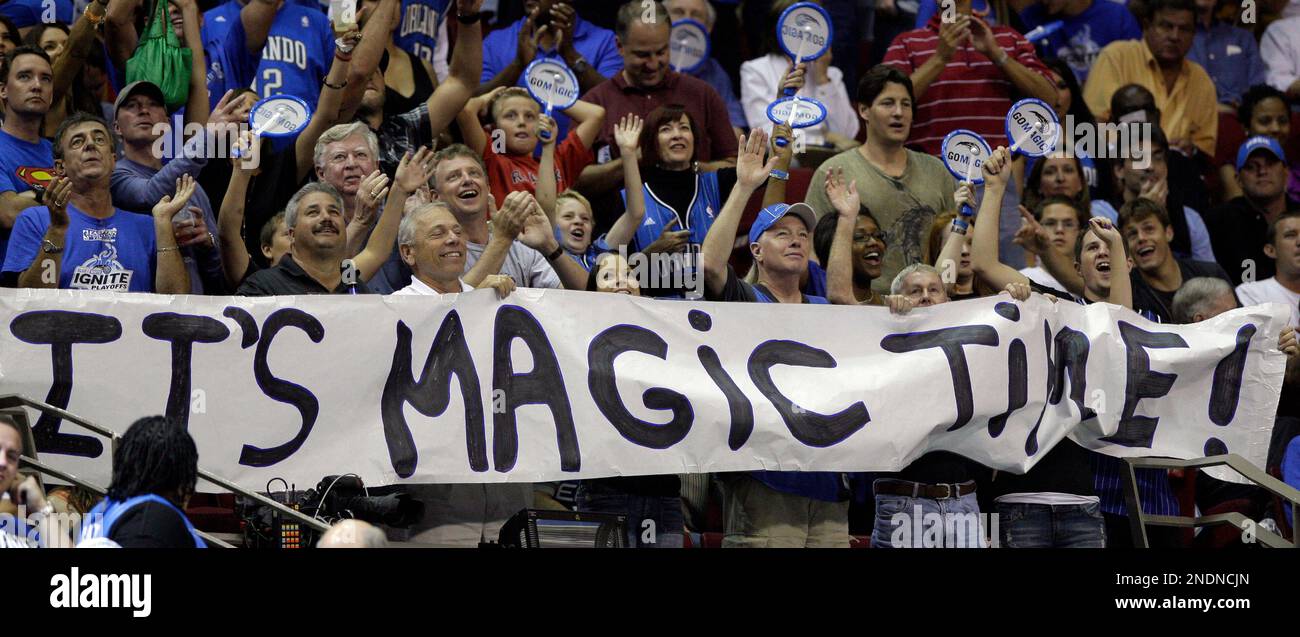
580 66
470 18
48 247
559 252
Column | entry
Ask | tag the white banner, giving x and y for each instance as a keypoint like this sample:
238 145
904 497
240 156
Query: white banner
552 385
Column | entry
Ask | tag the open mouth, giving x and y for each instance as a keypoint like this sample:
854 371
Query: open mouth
326 228
1146 251
468 194
871 258
578 233
677 146
452 254
1103 267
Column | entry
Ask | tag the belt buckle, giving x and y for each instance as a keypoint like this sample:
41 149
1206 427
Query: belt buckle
950 492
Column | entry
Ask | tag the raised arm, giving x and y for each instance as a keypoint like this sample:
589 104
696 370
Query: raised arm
120 36
471 130
45 270
367 54
327 105
73 57
627 134
230 220
751 172
257 17
1027 81
839 272
775 192
951 34
466 66
507 223
1033 238
546 186
539 235
171 276
525 52
984 245
1121 287
590 119
373 190
950 255
197 105
412 172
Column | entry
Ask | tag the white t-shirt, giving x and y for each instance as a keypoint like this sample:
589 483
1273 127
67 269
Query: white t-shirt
1270 291
1040 276
525 265
418 287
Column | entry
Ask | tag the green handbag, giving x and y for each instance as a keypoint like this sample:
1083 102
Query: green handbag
160 58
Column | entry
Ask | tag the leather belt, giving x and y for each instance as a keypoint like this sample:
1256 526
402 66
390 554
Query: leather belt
921 490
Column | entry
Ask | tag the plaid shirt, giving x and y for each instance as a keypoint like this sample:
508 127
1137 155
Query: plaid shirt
403 133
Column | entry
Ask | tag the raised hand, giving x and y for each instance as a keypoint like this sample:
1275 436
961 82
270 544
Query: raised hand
751 172
170 205
794 78
246 158
546 128
194 233
1103 228
627 134
952 35
982 38
467 7
538 233
997 168
843 195
965 196
1156 191
1032 236
510 220
371 192
414 170
669 240
56 198
526 45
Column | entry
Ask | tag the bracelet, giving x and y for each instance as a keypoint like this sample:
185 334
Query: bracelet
337 87
559 252
162 250
341 45
343 57
469 19
780 174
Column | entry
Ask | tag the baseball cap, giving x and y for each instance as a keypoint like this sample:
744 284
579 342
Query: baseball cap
139 87
768 217
1259 142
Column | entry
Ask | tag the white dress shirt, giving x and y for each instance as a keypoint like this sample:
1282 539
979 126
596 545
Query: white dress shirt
760 81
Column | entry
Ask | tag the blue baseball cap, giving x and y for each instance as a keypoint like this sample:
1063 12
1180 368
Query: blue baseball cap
768 217
1259 142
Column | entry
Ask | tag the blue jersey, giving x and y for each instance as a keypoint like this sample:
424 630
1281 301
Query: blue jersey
117 253
99 522
19 158
417 33
295 59
1081 38
26 13
705 205
230 65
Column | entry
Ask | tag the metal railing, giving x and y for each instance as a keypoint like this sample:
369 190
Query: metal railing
13 401
1138 520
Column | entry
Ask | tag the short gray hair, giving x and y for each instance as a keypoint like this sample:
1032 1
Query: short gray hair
291 208
1197 295
340 132
708 6
406 230
353 533
897 285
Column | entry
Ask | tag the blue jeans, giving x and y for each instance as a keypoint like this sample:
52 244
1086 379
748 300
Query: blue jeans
1061 526
652 522
907 522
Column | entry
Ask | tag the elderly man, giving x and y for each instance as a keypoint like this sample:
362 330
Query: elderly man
81 240
711 72
769 508
646 83
318 262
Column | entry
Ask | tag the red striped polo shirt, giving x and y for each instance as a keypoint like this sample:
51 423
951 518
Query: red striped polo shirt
971 92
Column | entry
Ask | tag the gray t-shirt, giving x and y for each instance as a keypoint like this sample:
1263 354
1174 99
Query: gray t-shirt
904 207
525 265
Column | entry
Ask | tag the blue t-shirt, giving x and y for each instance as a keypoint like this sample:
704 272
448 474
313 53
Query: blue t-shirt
1081 38
230 65
16 155
117 253
26 13
417 33
594 44
295 59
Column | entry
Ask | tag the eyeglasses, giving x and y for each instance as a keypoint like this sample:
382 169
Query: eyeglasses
864 237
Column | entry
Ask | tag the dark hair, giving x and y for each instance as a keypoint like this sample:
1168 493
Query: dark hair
1033 193
1254 95
1129 98
267 236
873 84
74 119
33 38
1158 141
1081 213
632 11
1140 209
1146 10
1077 107
7 65
12 28
649 141
1270 235
824 233
156 455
